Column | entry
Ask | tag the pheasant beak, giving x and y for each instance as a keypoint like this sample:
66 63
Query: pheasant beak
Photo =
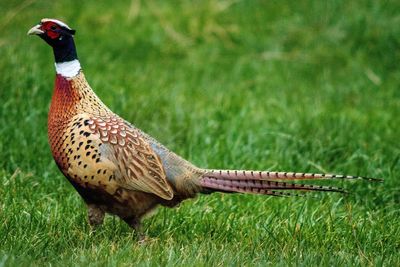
36 30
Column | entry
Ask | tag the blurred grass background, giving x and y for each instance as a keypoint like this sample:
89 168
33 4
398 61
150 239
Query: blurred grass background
278 85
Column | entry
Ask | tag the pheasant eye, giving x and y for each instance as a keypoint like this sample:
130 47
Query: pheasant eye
53 27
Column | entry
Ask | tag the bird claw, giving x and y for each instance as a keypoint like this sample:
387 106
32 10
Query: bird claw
143 239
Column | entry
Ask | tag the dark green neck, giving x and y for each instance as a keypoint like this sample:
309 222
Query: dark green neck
65 51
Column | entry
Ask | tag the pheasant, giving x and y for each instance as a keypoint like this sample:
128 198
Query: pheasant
117 168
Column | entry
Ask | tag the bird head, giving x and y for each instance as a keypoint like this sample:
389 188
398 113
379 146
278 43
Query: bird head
59 36
56 33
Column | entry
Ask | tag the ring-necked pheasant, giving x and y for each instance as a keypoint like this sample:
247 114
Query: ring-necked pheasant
117 168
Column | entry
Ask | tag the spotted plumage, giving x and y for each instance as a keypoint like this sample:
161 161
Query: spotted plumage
117 168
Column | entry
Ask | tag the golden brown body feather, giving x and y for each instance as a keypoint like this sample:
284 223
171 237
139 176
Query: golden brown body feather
107 160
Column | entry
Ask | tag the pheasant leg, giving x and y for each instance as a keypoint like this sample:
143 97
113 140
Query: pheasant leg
134 222
95 215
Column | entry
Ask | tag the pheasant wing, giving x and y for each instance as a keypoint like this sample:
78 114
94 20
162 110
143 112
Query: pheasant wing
138 166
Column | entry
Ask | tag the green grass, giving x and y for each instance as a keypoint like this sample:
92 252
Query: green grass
280 85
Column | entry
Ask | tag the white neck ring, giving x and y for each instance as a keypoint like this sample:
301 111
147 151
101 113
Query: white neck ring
68 69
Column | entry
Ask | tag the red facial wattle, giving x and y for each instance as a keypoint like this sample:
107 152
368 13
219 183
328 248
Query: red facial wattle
50 29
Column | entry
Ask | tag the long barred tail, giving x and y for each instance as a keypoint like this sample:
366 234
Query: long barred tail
269 183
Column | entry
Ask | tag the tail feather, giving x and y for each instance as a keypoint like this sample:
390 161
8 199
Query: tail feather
261 186
271 175
268 183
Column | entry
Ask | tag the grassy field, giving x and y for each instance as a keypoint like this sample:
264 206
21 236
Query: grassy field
272 85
